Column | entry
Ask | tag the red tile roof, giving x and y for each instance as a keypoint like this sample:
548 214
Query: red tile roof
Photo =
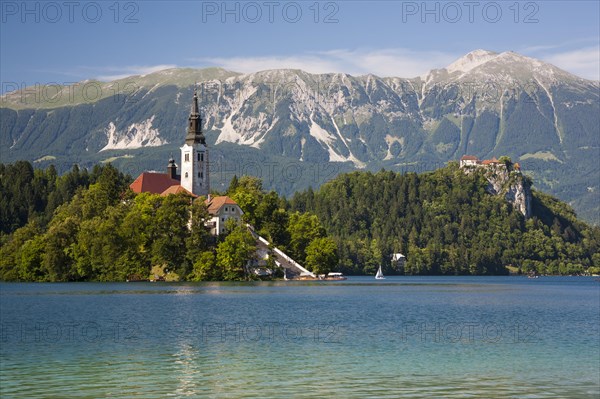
150 182
215 203
490 161
177 189
469 158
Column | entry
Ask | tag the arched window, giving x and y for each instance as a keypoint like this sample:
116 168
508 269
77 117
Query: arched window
186 175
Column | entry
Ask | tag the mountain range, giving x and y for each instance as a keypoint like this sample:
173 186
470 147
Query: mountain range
296 129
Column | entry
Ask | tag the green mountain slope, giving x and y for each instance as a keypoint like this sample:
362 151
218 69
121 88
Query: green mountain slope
446 222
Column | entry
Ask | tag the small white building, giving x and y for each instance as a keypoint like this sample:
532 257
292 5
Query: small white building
469 160
398 257
221 209
398 260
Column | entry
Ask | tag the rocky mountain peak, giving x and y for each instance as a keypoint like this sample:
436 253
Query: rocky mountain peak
509 66
471 60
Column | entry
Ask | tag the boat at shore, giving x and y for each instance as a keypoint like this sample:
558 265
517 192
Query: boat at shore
533 275
333 276
136 278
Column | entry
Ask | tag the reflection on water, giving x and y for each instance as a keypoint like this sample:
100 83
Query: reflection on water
408 337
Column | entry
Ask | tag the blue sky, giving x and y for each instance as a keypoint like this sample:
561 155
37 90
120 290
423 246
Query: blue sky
52 42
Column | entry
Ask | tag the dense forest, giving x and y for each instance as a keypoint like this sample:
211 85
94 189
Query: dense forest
445 222
88 226
29 194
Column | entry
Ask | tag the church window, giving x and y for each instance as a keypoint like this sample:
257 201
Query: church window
201 157
187 157
198 156
199 174
186 174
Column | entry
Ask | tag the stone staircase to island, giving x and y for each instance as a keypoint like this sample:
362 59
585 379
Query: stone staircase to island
292 269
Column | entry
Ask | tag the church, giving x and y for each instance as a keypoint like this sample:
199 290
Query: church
194 179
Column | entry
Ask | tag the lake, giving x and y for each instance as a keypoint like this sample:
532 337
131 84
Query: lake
413 337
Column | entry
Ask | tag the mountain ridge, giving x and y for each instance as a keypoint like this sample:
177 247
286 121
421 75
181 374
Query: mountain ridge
505 104
185 76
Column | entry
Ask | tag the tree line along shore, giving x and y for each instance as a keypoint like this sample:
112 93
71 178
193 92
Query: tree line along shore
89 226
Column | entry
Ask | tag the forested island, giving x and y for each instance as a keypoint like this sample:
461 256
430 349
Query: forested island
89 226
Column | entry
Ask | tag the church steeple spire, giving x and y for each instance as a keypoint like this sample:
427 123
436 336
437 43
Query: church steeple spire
194 110
194 133
194 155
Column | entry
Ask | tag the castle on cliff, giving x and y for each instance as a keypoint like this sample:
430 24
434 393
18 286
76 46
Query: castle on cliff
473 161
504 178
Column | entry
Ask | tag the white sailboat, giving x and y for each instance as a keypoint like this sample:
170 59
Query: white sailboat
379 275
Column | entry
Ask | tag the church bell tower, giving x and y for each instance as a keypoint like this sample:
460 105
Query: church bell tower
194 155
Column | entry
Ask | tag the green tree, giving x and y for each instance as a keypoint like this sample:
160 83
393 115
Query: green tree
303 228
171 232
233 185
99 247
10 255
30 265
248 195
321 256
275 229
58 260
505 160
205 268
199 239
234 253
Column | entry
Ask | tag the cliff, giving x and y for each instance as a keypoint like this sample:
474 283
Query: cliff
504 178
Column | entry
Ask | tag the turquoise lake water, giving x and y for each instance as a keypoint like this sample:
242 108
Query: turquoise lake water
413 337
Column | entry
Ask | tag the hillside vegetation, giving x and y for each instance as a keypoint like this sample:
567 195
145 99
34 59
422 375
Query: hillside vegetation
88 226
446 223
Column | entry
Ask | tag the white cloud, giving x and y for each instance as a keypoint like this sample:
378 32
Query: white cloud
384 62
579 56
115 73
405 63
573 43
308 63
395 62
583 62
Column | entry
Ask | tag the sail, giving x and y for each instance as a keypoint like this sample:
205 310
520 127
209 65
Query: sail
379 274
